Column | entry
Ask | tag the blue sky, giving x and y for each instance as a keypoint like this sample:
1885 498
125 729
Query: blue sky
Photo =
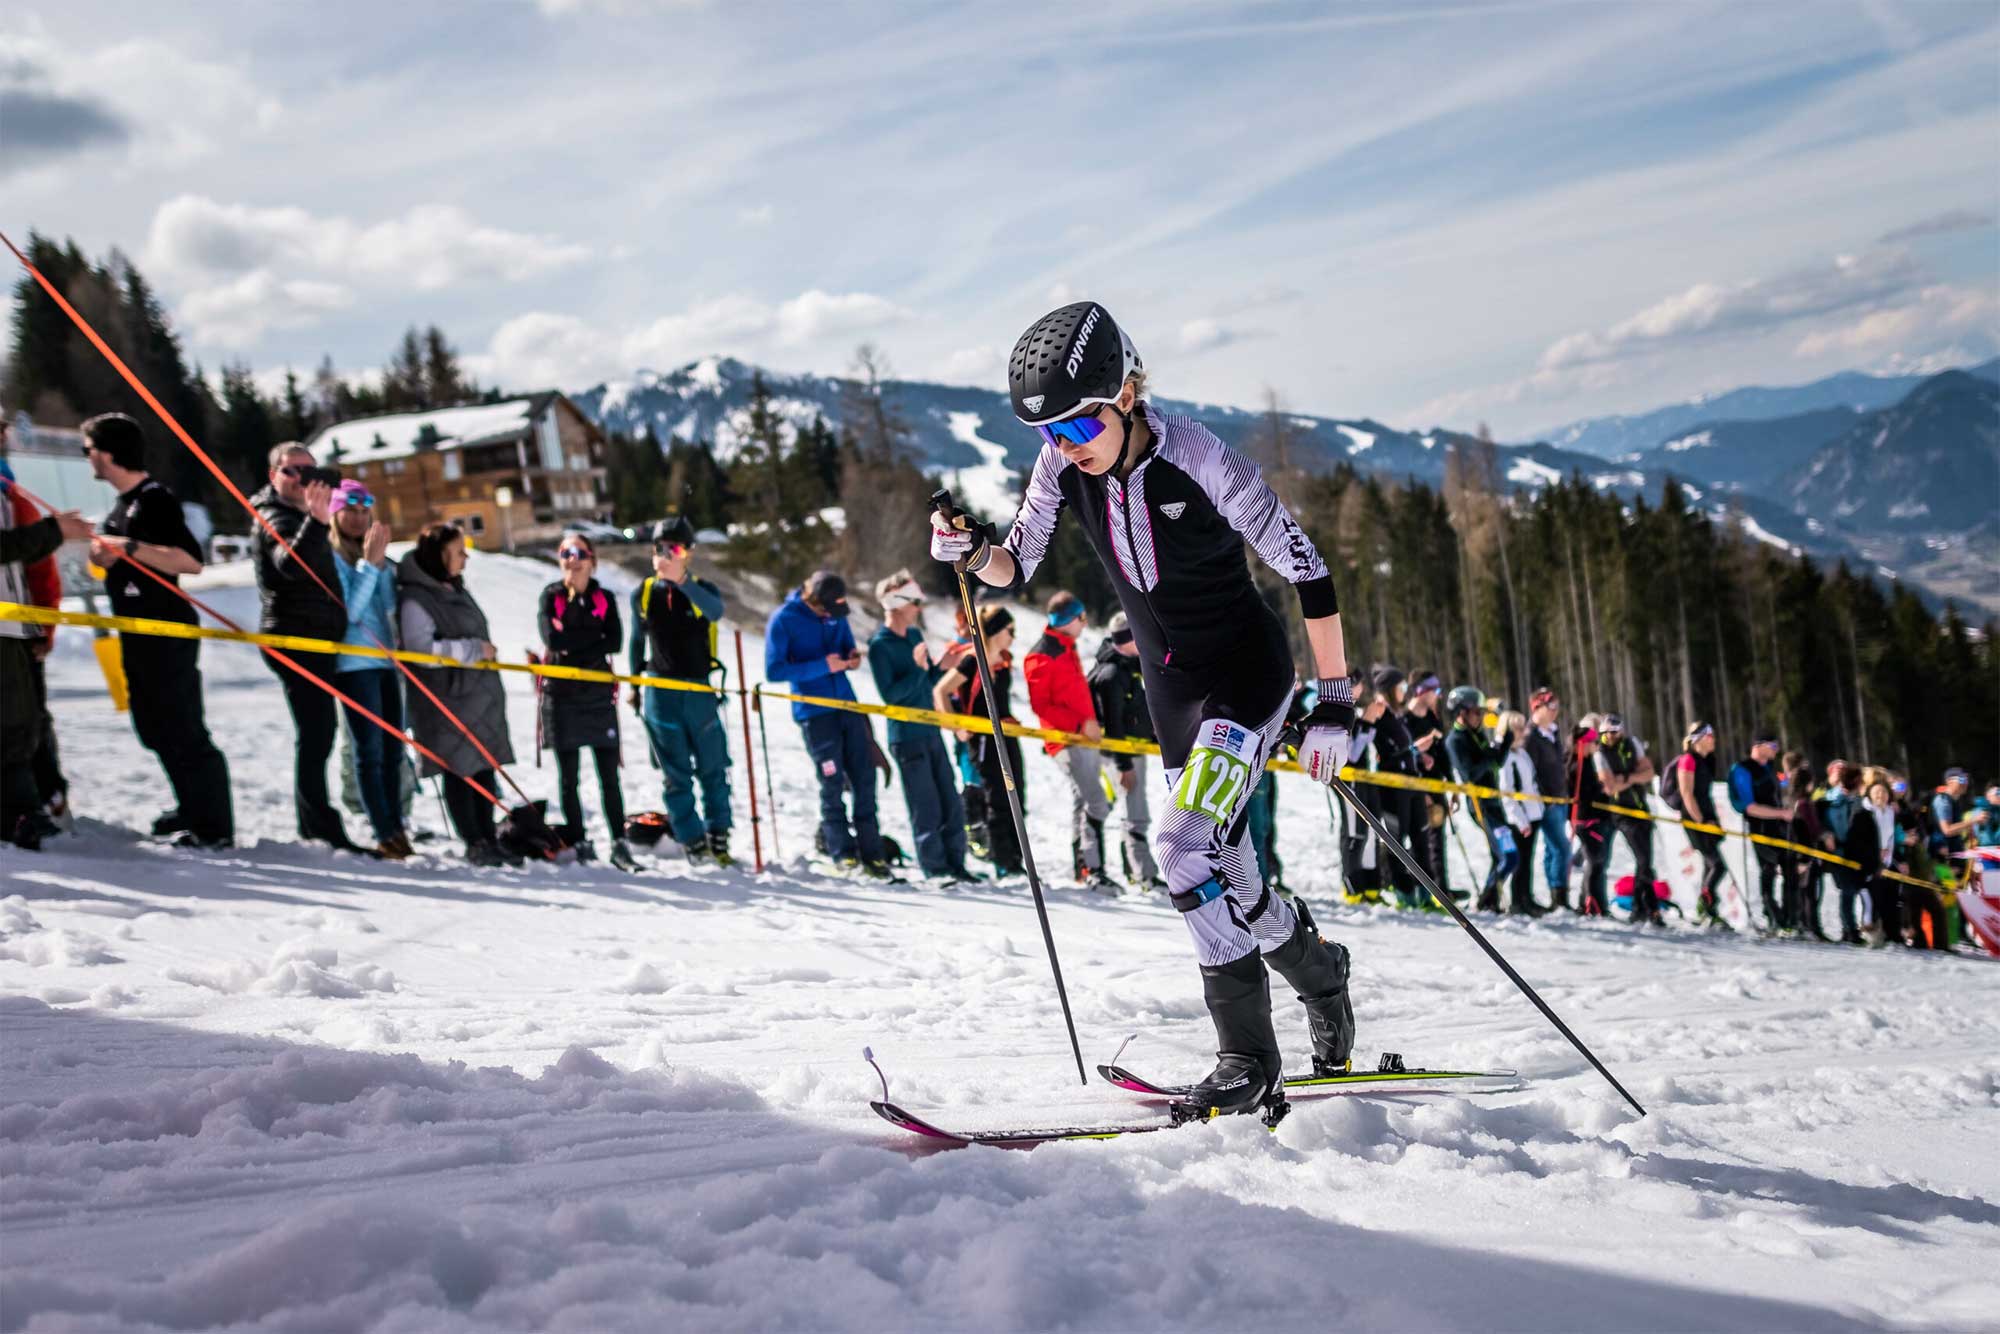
1431 214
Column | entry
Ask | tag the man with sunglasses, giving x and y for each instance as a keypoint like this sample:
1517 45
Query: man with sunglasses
296 582
162 676
1167 507
674 619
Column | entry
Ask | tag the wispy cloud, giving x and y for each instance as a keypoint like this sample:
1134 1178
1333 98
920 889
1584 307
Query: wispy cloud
1940 224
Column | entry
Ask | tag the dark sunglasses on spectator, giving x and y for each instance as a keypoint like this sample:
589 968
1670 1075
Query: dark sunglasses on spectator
574 553
1075 430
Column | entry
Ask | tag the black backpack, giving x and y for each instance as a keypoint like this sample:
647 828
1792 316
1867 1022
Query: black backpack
1669 788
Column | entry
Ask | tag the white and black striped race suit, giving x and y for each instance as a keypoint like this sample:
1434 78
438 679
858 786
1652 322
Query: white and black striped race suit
1217 668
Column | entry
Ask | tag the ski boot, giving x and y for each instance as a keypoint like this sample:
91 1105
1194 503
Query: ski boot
1099 883
718 847
1248 1074
1317 971
621 855
585 854
169 822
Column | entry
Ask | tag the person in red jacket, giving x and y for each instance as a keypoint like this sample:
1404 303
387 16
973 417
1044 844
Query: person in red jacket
1061 700
44 588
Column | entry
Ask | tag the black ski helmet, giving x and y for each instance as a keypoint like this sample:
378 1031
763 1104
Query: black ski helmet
1462 698
1068 360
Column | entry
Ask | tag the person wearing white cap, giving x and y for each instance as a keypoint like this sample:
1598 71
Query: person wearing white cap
905 669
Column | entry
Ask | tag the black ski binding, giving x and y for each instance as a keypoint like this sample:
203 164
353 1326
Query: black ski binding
1392 1064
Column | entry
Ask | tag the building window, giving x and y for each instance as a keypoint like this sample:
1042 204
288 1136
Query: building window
451 466
475 523
392 467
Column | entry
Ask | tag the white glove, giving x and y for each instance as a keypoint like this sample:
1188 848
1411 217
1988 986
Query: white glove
954 544
1325 741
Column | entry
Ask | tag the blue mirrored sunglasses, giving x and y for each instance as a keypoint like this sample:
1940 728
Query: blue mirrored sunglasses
1075 430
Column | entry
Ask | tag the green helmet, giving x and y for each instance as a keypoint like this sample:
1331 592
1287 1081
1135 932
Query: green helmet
1464 697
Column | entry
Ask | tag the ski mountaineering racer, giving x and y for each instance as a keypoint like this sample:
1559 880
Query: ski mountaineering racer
1167 508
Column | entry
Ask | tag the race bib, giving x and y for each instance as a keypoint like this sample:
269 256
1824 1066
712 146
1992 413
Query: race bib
1217 771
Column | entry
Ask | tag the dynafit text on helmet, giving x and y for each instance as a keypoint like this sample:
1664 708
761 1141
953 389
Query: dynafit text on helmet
1168 507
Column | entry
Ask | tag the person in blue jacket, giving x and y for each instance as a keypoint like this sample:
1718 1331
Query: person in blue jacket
905 668
809 647
360 557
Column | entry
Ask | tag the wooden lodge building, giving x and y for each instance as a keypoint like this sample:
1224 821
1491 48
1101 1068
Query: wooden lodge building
538 452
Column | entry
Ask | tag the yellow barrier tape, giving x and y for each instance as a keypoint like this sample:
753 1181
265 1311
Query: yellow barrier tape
14 611
1815 853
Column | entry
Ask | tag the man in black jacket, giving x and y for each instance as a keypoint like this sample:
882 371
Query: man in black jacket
1120 696
1476 758
297 583
20 714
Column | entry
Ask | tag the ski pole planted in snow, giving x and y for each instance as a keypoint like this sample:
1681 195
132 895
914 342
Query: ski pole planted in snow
743 698
764 738
941 502
1367 817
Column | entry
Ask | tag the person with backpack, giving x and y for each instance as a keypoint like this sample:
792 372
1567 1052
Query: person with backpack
1061 700
1476 759
580 628
905 668
809 644
1625 772
958 691
674 620
1118 691
1687 789
1753 792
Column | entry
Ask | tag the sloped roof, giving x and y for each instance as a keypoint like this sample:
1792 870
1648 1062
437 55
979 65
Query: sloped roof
371 439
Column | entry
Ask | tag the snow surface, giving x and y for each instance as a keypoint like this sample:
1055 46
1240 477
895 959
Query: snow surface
398 433
284 1089
1358 439
1530 473
1696 440
988 487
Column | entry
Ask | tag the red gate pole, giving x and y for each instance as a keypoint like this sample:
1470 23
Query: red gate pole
749 757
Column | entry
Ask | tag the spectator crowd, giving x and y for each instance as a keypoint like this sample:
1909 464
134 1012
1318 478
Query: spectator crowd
1539 791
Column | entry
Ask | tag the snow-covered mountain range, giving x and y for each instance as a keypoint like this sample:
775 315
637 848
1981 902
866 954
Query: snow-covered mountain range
1757 452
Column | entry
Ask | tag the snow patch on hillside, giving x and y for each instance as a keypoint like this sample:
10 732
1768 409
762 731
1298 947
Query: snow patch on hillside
987 487
1358 439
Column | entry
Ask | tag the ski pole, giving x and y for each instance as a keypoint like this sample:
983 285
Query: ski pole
1444 900
941 502
770 789
743 699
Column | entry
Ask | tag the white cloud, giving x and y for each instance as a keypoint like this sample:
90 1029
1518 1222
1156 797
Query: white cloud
431 246
1203 334
244 270
1708 309
543 348
984 365
178 109
235 314
1935 313
760 216
812 316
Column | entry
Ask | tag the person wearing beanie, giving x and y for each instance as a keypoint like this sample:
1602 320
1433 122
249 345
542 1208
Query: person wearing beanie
905 668
959 691
163 676
809 648
674 618
1118 693
1061 700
